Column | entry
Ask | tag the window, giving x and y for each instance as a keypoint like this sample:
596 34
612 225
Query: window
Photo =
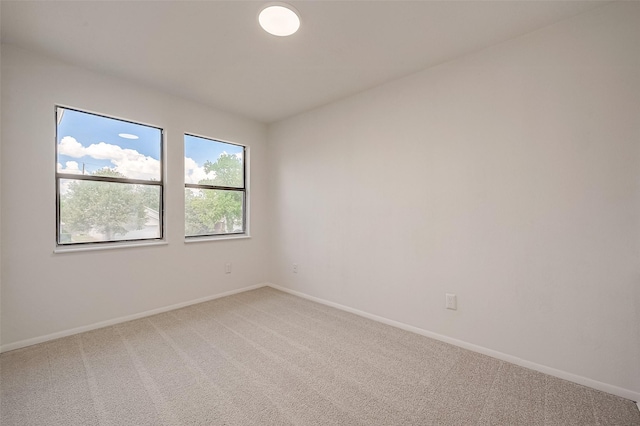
215 194
108 179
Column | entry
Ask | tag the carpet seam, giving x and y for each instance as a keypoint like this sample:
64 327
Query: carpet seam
166 414
96 398
352 380
495 378
267 352
238 365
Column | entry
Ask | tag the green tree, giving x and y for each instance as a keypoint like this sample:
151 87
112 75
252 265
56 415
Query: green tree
215 211
106 207
150 196
227 169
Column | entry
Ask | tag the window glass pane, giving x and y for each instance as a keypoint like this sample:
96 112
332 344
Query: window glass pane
93 211
213 212
88 142
209 162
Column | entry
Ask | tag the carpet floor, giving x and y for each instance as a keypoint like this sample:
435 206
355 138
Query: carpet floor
265 357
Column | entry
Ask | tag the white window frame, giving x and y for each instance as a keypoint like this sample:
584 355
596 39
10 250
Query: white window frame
244 190
93 245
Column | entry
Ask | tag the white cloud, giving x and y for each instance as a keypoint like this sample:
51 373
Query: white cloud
71 147
129 162
194 173
70 167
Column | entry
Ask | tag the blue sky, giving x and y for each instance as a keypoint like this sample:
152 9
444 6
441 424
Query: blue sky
201 149
88 129
93 142
198 150
89 142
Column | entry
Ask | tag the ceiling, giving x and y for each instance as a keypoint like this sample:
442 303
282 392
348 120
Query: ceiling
215 53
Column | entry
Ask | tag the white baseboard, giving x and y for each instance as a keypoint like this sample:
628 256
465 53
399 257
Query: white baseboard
101 324
604 387
615 390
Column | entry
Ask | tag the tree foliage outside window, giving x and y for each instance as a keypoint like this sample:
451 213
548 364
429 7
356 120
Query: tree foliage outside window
108 178
215 190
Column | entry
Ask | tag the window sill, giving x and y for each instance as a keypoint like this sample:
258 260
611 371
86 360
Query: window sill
190 240
107 246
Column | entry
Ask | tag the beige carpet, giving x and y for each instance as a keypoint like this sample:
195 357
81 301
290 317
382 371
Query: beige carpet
265 357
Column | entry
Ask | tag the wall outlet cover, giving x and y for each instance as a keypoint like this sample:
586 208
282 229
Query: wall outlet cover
451 301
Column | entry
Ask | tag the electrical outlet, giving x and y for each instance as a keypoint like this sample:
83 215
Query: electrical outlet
295 268
451 301
227 268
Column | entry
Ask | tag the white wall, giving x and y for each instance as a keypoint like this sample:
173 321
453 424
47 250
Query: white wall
45 293
509 177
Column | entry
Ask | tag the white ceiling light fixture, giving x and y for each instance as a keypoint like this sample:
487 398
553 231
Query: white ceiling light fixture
279 19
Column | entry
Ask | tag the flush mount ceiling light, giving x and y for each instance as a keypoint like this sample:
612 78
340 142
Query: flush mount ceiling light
279 19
